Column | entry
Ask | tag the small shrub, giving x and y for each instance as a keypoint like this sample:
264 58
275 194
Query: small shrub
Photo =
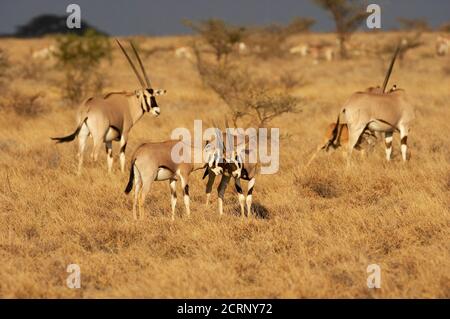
256 100
80 58
220 36
270 41
25 105
4 68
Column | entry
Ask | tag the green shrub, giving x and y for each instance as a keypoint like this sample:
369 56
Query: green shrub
80 58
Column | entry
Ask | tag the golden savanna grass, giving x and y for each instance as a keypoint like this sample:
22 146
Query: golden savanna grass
318 229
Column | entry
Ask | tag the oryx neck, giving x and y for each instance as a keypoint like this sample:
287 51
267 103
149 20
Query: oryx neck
136 108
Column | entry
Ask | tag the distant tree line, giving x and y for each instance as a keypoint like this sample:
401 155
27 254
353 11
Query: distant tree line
45 24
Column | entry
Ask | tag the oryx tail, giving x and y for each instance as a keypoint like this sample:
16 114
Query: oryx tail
336 133
71 137
335 136
131 179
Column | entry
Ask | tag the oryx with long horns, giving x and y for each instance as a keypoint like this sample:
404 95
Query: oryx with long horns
376 111
110 117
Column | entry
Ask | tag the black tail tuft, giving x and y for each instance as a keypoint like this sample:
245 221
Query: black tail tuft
336 134
130 180
71 137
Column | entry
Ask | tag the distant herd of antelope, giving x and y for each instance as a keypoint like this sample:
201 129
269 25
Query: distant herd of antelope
111 117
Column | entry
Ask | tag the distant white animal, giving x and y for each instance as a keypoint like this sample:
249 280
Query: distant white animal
44 54
183 53
322 52
301 49
329 54
242 47
442 45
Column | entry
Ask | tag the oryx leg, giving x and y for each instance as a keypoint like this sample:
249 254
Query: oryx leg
251 184
173 196
137 190
98 129
354 135
403 141
237 184
123 146
109 155
221 191
148 175
82 139
388 144
184 177
209 186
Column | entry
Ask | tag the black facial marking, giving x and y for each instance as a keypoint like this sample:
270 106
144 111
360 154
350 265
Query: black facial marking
150 91
186 190
238 188
206 173
404 140
250 191
147 107
123 148
244 174
153 102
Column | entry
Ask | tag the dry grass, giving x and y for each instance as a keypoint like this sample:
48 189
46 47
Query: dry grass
318 229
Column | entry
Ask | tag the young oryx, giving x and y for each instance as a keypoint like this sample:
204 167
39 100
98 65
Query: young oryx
156 162
240 163
111 117
377 111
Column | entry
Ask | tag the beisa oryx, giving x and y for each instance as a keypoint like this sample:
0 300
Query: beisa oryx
110 117
238 161
160 161
376 111
367 140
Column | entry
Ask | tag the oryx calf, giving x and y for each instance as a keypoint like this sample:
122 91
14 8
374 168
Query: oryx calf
110 117
156 162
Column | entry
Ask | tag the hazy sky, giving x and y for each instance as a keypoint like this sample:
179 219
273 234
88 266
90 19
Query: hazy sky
163 17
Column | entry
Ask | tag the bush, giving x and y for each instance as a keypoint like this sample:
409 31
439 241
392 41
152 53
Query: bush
270 41
252 101
80 58
4 68
220 36
26 105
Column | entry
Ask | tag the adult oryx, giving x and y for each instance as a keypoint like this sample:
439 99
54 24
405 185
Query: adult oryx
110 117
377 111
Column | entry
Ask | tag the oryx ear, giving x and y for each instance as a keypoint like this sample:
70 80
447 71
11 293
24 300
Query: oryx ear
160 92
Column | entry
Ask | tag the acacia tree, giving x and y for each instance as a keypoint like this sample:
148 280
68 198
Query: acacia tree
348 15
251 101
218 34
271 39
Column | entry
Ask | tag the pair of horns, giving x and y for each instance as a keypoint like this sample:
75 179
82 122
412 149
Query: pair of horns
389 71
145 84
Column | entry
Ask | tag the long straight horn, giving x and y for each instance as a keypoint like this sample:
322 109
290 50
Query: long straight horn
140 63
132 65
388 74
